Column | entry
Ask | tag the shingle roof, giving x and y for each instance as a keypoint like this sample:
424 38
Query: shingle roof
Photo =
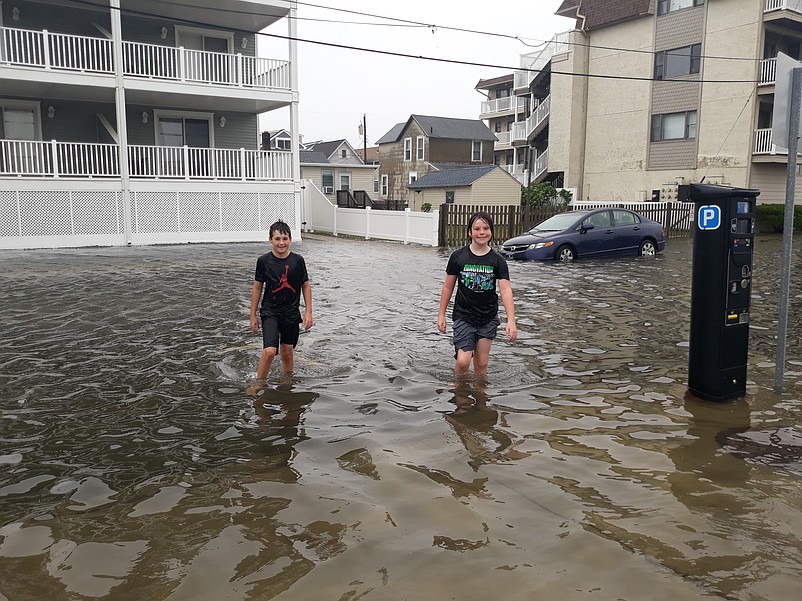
486 84
393 134
442 127
444 166
327 147
313 157
452 178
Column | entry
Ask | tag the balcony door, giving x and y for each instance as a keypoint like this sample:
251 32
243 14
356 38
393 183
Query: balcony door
176 131
18 133
215 67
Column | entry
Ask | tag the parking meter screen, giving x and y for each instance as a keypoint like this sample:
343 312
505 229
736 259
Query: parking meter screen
744 207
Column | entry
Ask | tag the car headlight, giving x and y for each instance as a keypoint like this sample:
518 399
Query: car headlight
540 245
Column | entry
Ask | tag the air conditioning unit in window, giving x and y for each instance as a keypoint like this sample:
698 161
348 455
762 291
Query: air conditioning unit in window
328 189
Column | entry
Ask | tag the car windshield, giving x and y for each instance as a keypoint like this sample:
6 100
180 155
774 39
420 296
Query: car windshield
557 223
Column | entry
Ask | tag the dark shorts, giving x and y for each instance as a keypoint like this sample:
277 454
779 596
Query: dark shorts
276 331
466 334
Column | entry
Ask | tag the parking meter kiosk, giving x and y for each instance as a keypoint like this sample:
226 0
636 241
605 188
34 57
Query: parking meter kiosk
721 287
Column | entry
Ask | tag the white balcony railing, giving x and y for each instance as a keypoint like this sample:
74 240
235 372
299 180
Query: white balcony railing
503 105
764 145
535 61
21 158
57 159
55 51
522 130
541 164
794 5
517 171
503 138
768 71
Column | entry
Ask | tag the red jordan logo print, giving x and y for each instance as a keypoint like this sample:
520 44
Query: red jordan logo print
283 283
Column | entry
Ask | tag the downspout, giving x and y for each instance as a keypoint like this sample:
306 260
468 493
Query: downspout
583 28
122 122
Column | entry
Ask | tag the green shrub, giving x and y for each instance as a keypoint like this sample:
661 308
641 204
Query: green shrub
426 207
544 194
771 217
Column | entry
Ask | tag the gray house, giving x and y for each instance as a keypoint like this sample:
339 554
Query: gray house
138 124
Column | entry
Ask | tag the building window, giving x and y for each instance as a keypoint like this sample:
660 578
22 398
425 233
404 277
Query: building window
345 181
327 177
413 177
679 61
669 6
449 197
674 126
419 147
343 153
375 186
385 185
407 149
476 151
282 144
497 127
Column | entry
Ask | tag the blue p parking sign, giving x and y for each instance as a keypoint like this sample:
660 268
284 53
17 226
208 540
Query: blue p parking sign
709 217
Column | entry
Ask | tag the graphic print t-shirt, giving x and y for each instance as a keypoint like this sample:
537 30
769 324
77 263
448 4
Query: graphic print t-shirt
476 301
283 280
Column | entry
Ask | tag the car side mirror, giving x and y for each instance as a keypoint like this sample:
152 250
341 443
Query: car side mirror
586 227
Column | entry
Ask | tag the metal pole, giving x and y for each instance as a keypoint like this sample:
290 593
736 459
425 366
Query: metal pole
788 225
364 139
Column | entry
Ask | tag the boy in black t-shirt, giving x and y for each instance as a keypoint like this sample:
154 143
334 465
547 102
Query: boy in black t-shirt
282 274
476 269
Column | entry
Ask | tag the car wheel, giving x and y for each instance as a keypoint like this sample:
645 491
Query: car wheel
565 254
647 249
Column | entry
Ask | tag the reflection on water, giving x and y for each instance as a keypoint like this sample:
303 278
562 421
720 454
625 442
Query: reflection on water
134 466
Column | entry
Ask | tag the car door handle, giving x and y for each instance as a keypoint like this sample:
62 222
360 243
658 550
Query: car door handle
608 231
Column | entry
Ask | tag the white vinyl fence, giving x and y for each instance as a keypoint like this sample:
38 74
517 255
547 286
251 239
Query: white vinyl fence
320 214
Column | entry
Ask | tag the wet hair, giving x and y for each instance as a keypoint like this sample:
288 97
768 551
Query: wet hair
484 217
280 227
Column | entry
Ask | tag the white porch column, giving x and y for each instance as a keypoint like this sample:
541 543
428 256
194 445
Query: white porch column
292 27
122 125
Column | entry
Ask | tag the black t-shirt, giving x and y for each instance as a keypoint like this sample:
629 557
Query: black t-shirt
476 301
283 279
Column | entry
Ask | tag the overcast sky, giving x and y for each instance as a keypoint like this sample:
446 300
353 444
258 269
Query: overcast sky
337 86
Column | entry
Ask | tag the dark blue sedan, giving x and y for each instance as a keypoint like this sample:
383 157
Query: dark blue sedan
583 234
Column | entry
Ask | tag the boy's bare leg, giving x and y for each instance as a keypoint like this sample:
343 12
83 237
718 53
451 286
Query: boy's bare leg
481 356
265 361
287 358
463 362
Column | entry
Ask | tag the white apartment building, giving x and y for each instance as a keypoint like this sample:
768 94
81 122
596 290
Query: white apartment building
135 122
645 96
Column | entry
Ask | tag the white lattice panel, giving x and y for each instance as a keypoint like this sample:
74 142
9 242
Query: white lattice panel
9 224
240 212
45 213
275 206
97 213
199 211
154 212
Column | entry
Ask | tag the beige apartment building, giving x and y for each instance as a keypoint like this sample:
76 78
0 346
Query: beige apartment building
645 96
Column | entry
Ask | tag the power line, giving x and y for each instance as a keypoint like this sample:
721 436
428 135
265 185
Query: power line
403 54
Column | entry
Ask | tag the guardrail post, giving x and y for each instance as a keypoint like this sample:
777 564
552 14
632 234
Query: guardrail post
334 227
367 223
407 216
54 158
46 48
185 155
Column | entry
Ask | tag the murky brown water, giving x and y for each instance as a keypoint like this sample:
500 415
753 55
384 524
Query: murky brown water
133 466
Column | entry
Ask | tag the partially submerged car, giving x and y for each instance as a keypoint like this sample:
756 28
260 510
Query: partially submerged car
603 232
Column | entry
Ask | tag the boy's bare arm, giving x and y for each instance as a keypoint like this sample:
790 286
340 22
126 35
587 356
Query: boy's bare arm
256 295
509 308
445 297
306 290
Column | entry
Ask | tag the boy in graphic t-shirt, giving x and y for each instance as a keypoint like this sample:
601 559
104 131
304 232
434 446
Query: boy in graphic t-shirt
477 270
283 277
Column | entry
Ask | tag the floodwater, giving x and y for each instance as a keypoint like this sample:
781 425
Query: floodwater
134 466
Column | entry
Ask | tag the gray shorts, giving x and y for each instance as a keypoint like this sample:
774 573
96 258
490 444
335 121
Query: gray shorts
466 334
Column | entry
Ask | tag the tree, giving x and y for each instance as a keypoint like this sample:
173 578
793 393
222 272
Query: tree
544 194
